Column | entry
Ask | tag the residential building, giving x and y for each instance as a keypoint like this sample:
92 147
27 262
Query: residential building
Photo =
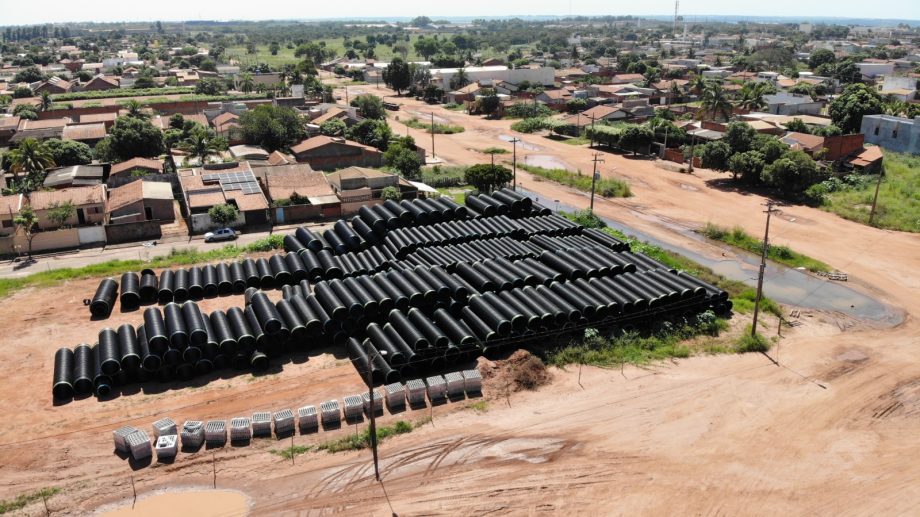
145 165
228 126
328 153
554 98
89 203
898 134
248 152
140 201
100 83
284 181
784 103
89 134
868 161
53 85
830 148
9 209
77 176
874 68
40 129
8 127
222 183
358 186
545 76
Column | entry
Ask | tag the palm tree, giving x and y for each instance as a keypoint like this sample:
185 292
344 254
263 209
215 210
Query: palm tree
30 157
698 84
202 144
460 79
752 96
134 109
715 101
246 83
44 104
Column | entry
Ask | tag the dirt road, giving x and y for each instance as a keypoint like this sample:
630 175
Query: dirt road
833 431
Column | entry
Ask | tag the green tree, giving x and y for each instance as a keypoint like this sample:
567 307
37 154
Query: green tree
369 106
487 177
576 105
830 130
747 165
848 109
203 143
460 79
792 174
134 109
714 101
25 112
332 127
402 156
29 158
22 92
274 47
798 126
132 137
769 147
30 74
26 221
371 132
397 75
426 47
390 192
432 94
68 152
820 57
211 86
60 213
45 102
246 83
489 104
714 155
223 214
272 127
739 136
636 137
752 94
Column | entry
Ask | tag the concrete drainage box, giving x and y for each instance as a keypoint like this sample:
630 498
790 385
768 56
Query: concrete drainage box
415 392
395 395
167 446
455 383
262 424
139 444
192 433
164 426
240 431
306 419
215 432
284 422
378 402
330 412
354 406
437 387
472 381
119 436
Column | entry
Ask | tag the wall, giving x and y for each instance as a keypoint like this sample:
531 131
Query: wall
908 133
135 231
91 235
842 146
94 214
351 208
119 180
77 111
201 223
43 241
302 213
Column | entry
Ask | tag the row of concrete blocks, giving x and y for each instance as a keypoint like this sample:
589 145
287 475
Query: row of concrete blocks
194 433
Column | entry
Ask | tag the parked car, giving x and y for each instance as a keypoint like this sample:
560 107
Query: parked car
220 234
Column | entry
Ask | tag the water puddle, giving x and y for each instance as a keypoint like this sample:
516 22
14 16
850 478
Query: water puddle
547 161
200 503
785 285
426 118
524 145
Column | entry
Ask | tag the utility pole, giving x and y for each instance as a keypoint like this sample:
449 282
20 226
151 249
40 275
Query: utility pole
692 151
432 135
875 198
514 142
763 266
373 427
593 118
596 159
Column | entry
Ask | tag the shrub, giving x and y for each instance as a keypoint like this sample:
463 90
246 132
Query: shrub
529 125
747 343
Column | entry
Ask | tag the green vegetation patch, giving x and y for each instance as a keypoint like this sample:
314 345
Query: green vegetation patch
362 440
23 500
292 451
740 239
439 129
115 267
605 187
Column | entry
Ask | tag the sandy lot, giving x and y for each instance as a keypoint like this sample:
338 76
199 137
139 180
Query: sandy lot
833 430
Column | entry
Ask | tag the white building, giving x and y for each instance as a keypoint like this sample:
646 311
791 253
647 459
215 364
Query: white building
543 75
875 69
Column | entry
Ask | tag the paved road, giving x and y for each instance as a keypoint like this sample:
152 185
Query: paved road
80 258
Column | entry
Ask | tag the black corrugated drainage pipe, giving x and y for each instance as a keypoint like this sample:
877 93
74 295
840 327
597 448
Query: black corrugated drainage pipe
104 300
62 386
209 279
180 289
266 313
129 350
102 383
130 291
175 326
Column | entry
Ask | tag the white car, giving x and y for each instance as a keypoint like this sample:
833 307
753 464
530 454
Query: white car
221 234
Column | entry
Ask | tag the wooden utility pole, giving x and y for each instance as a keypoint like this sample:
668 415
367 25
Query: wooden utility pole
692 151
373 427
875 198
214 468
514 142
596 159
432 135
763 267
133 489
591 138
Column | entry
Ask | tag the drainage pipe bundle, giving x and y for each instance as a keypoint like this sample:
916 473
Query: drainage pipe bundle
103 300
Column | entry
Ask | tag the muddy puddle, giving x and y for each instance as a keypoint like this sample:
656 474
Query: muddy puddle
200 503
522 144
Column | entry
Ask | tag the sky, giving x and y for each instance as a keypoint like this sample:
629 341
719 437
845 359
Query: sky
18 12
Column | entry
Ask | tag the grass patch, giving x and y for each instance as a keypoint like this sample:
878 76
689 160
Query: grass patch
494 150
289 453
459 197
740 239
23 500
116 267
898 205
454 106
605 187
125 92
440 176
743 303
634 348
439 129
747 343
480 406
362 440
577 140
